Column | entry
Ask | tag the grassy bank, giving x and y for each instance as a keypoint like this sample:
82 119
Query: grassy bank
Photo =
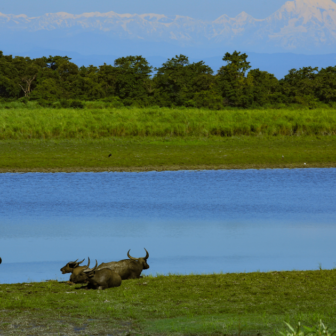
232 304
161 122
134 154
165 139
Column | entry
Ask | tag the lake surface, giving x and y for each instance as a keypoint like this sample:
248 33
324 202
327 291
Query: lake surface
189 221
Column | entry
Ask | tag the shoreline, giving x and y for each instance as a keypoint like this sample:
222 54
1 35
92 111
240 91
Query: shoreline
165 168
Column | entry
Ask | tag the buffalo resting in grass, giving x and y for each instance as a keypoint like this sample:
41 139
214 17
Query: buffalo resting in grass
128 268
73 267
102 278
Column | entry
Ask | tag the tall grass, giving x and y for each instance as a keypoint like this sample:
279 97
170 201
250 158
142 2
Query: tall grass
44 123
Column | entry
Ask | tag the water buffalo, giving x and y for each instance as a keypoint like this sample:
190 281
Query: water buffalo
70 266
73 267
102 278
128 268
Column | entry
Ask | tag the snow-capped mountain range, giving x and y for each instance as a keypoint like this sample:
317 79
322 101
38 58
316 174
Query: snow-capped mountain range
299 25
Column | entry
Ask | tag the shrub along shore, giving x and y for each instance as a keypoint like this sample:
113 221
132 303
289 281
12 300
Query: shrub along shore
69 140
215 304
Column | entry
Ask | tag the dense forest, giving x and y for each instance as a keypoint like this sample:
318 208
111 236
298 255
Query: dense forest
57 82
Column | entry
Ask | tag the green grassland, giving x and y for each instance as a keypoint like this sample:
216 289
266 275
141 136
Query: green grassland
164 139
231 304
166 154
27 124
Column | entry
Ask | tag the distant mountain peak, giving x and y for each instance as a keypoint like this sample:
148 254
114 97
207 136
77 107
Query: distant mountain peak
322 11
297 25
324 4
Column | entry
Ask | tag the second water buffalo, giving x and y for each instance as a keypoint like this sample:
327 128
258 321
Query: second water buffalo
77 276
128 268
102 278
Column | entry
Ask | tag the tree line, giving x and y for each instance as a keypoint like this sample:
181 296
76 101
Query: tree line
131 81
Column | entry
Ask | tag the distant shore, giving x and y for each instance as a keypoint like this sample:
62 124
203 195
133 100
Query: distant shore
160 154
160 168
154 139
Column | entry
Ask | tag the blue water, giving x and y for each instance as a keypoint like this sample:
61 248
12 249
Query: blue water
189 221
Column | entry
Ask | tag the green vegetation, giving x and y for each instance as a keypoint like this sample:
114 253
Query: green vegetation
57 82
134 154
318 330
231 304
164 139
162 122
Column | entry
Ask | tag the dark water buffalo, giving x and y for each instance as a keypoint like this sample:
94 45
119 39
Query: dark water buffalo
102 278
70 266
73 267
128 268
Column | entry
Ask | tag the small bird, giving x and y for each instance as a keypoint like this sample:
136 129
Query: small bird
283 157
110 155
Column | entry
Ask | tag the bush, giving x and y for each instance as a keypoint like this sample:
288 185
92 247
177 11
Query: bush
23 100
77 104
114 102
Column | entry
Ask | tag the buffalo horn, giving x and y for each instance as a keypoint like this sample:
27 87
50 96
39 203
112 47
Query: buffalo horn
94 268
147 254
128 255
88 265
87 270
80 261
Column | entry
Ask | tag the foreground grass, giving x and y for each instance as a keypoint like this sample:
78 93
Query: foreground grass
232 304
143 154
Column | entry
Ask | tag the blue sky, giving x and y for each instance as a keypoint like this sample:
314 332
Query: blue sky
202 9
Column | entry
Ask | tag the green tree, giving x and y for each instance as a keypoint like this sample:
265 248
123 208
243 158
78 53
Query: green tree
300 86
179 83
132 79
264 88
232 81
325 87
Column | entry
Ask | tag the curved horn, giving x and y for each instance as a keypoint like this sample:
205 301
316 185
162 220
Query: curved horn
147 254
88 265
128 255
87 270
94 268
72 262
80 261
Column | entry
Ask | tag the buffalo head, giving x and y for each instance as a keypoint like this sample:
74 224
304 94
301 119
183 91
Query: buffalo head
78 276
70 266
141 261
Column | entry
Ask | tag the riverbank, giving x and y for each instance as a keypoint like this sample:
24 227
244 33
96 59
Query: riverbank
160 154
245 303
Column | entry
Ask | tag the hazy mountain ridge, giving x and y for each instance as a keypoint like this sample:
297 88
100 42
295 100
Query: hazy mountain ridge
298 25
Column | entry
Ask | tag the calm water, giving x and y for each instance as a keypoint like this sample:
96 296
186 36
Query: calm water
200 222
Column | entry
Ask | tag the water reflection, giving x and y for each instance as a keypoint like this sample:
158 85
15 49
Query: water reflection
206 221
